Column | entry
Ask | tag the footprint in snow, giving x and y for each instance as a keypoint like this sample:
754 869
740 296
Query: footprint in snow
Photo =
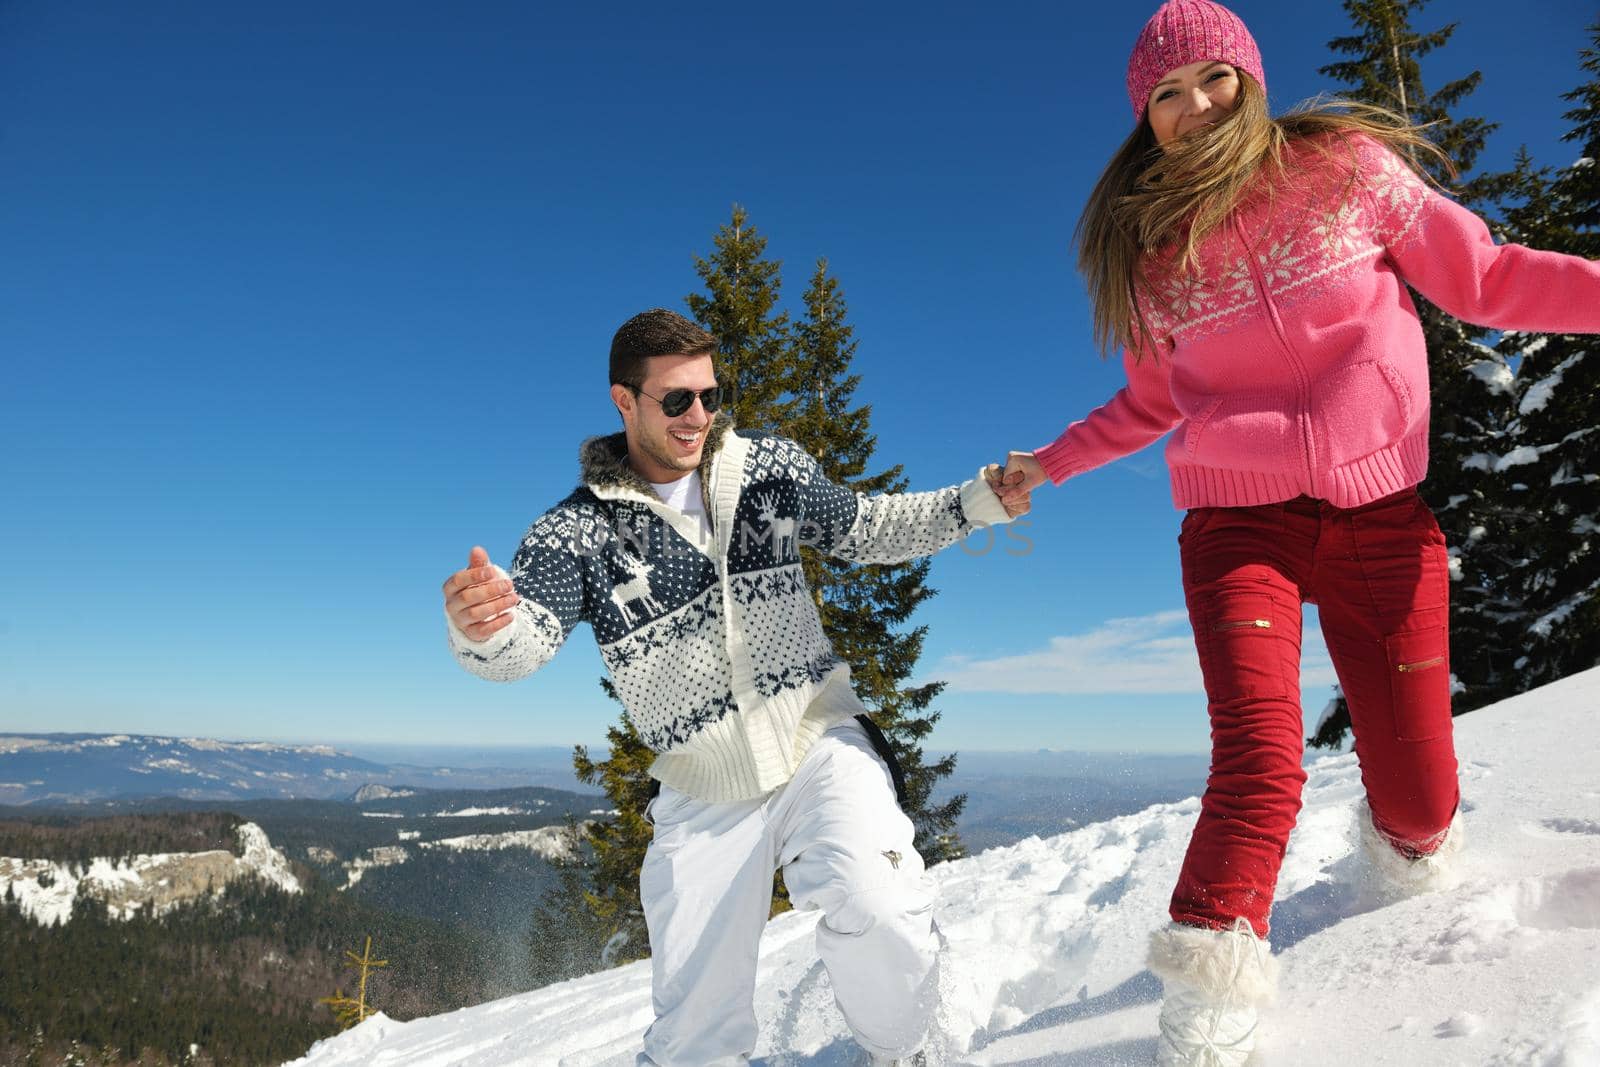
1567 901
1504 921
1463 1024
1561 827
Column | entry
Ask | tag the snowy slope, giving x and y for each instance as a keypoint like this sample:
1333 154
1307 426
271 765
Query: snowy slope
1046 940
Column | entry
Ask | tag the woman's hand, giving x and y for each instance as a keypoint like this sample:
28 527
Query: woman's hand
1033 474
1008 489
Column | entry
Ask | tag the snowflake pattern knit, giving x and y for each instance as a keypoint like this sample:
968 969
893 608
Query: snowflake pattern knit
721 661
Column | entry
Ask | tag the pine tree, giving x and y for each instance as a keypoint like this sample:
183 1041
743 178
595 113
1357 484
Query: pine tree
791 379
617 844
1550 457
1470 404
352 1010
863 607
740 308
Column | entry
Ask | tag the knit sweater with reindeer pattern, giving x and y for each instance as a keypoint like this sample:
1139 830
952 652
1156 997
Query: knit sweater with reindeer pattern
1292 362
719 658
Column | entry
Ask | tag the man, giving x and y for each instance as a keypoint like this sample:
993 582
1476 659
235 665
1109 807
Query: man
682 550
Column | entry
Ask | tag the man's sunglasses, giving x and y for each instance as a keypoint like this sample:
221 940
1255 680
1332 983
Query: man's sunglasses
677 401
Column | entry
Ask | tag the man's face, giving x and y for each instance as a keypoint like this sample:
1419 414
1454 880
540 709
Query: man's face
665 449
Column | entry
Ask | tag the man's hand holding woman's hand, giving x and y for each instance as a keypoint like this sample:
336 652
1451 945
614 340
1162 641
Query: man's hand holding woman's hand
1015 483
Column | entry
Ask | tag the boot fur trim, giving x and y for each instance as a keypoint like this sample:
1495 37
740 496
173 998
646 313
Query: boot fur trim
1231 966
1435 869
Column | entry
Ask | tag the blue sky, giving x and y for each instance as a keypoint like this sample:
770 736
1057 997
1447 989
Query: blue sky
300 301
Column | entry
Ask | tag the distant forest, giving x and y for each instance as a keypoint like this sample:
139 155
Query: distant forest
237 976
75 840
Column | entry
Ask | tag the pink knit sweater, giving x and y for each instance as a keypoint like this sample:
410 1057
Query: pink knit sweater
1294 362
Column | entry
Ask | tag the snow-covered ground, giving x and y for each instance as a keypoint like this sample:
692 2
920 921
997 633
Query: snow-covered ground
1046 940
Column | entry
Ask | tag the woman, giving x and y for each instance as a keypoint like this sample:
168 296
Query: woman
1254 271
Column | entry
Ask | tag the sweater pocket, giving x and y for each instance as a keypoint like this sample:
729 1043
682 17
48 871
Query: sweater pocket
1245 431
1359 409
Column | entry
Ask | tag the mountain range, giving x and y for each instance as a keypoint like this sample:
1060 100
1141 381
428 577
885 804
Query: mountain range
80 768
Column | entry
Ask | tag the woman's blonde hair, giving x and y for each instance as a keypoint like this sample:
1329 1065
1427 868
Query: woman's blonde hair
1150 199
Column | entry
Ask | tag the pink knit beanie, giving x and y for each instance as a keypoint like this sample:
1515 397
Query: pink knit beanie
1188 31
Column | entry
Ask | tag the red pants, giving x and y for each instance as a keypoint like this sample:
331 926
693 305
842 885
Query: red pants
1379 577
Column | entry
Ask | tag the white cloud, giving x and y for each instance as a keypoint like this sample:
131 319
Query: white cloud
1146 654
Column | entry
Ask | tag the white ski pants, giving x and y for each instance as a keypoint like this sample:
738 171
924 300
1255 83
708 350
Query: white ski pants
845 849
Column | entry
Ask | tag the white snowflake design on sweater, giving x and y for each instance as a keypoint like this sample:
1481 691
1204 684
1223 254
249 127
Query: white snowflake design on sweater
1313 235
665 614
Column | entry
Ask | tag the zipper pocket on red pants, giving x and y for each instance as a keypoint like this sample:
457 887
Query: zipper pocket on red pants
1407 668
1243 624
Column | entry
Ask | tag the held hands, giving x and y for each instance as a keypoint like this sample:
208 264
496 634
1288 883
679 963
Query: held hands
479 597
1009 489
1033 475
1015 484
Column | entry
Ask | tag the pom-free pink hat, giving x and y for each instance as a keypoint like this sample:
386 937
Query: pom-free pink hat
1188 31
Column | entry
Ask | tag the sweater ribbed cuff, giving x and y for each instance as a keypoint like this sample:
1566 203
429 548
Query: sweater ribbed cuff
1060 460
980 505
489 647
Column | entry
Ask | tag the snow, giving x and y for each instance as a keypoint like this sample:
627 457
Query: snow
46 890
269 864
1494 374
1328 711
1558 615
381 856
1044 964
1540 392
549 842
206 744
9 745
468 812
1517 457
373 791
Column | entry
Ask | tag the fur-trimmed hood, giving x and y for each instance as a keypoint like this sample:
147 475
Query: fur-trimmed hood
603 461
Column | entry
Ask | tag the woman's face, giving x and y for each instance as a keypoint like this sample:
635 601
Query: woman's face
1192 96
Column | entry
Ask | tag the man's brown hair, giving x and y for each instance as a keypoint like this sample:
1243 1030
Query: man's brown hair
657 332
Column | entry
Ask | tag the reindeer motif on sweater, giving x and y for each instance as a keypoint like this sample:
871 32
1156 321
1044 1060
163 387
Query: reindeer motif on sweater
637 587
718 653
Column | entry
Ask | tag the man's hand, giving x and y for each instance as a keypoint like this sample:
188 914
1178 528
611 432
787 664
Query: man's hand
1014 494
479 597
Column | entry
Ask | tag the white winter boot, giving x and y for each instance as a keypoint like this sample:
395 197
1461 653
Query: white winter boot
1214 982
1390 875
